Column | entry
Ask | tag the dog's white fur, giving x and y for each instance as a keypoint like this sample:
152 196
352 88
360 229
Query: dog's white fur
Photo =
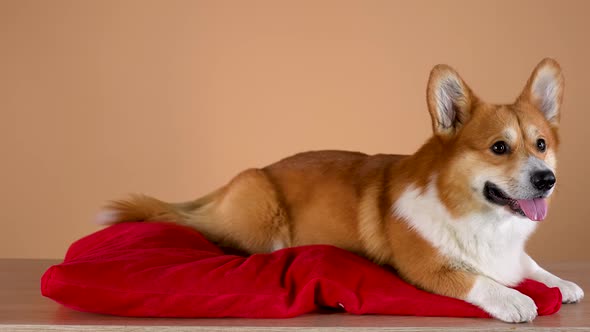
490 244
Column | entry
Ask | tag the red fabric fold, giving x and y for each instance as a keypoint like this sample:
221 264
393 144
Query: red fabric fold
166 270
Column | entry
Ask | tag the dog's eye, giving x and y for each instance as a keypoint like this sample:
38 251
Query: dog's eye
541 145
500 147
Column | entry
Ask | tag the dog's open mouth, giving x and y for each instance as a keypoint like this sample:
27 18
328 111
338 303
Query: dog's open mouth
534 209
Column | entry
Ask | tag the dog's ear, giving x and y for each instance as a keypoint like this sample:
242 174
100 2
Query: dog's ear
544 90
449 100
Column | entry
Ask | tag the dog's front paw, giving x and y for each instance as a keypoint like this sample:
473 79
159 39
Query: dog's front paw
514 307
501 302
570 292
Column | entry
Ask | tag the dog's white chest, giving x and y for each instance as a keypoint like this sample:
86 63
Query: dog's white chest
491 244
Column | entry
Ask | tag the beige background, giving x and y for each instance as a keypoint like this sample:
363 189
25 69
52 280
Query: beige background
172 98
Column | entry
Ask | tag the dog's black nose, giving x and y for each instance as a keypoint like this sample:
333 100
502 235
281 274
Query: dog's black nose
543 180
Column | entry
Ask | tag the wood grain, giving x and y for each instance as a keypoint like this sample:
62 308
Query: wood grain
22 308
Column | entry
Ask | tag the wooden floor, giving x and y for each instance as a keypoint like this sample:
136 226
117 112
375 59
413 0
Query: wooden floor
22 308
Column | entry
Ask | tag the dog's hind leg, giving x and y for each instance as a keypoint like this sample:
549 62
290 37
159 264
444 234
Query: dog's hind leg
246 214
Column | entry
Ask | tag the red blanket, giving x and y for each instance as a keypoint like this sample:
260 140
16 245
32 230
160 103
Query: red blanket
166 270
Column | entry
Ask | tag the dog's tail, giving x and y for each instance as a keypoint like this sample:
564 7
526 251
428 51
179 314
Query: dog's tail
140 207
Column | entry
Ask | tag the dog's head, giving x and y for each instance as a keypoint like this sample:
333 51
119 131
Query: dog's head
497 156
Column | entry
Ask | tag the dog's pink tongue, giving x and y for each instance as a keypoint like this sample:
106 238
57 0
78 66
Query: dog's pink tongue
535 209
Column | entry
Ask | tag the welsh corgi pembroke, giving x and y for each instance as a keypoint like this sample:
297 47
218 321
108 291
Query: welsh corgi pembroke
452 218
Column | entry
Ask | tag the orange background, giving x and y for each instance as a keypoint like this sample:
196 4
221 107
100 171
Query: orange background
173 98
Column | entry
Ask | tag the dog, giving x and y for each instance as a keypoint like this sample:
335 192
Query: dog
452 218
